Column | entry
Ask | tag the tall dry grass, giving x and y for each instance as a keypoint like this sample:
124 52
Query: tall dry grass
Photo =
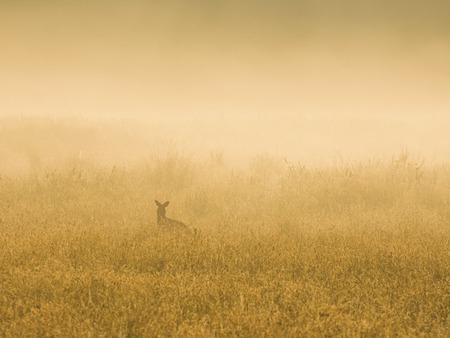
359 249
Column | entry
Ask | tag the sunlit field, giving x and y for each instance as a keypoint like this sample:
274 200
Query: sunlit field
278 248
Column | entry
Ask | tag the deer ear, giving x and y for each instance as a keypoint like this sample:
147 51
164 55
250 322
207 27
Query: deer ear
157 203
166 204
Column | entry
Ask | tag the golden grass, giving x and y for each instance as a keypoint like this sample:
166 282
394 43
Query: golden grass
356 250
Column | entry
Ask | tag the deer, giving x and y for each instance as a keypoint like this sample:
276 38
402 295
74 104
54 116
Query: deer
166 222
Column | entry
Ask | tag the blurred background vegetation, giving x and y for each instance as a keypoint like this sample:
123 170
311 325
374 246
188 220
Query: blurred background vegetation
282 248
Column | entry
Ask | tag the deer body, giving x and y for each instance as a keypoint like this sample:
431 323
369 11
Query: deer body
163 220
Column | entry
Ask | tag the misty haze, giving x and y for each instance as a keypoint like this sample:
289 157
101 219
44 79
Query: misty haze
224 168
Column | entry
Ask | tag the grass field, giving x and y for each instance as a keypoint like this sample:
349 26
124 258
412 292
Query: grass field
358 249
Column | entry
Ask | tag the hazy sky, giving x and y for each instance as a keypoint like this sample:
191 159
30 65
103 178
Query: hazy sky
311 76
214 56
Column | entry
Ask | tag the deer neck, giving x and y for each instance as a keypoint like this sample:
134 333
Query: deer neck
160 219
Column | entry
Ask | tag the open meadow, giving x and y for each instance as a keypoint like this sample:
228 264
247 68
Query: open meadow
224 168
279 249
